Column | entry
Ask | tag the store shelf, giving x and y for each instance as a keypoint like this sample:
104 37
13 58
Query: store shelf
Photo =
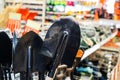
110 49
61 13
34 6
97 46
66 14
25 1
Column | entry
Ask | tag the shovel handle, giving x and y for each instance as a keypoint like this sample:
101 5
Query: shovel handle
48 78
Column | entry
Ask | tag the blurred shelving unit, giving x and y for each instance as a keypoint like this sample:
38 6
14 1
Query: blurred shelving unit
98 45
34 6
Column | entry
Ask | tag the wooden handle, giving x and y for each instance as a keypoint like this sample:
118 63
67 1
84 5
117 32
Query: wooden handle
48 78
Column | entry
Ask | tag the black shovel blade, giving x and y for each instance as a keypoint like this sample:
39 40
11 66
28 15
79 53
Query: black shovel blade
20 56
5 49
73 43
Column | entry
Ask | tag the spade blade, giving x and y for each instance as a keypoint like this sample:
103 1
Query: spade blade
20 56
73 43
5 49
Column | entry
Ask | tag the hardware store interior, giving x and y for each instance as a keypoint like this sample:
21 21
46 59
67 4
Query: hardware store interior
59 39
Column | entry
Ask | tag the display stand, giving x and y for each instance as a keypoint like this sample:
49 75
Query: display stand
110 52
98 45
